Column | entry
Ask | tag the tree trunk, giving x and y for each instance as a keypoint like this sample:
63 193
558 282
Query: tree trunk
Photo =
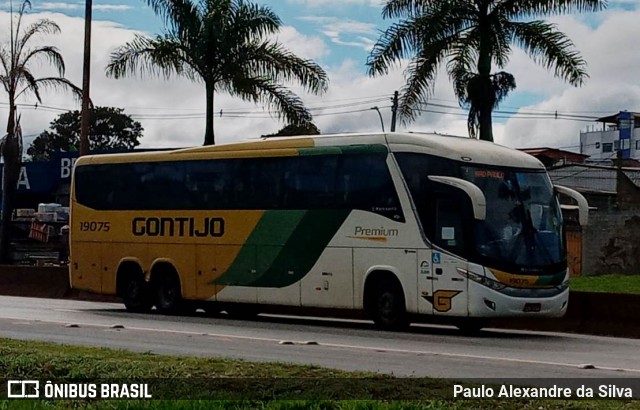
485 106
10 175
209 138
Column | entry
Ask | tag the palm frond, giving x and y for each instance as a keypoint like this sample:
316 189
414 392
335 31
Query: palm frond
271 60
52 83
49 52
42 26
23 75
500 36
463 59
408 8
552 49
171 11
160 56
522 9
398 42
5 61
286 103
502 83
250 21
443 20
16 33
420 75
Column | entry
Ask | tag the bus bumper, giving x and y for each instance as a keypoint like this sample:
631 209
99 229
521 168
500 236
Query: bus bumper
486 302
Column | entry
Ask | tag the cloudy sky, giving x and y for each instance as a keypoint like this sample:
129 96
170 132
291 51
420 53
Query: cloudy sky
339 34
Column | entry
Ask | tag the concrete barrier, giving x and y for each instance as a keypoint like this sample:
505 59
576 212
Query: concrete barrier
41 282
607 314
589 312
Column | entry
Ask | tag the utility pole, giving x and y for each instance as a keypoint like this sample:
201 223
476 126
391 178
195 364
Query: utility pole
86 71
394 111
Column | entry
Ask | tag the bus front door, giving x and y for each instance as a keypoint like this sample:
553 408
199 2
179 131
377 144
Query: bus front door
450 231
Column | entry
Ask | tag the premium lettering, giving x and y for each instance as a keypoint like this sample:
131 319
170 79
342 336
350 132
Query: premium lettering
181 227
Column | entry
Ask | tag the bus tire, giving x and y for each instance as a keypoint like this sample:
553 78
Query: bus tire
135 292
386 305
168 293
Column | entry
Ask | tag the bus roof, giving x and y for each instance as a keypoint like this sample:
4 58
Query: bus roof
456 148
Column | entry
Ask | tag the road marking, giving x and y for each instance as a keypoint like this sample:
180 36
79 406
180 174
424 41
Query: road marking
376 349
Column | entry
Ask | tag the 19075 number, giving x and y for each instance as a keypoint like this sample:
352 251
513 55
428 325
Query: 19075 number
93 226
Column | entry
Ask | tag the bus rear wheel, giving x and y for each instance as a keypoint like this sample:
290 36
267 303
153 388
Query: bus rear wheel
387 306
135 294
168 294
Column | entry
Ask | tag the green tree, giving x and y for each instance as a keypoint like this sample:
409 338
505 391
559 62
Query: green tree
109 127
473 37
17 79
224 44
293 130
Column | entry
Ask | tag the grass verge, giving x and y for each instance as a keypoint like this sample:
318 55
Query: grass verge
239 385
607 283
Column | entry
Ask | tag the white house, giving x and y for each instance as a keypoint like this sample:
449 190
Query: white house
620 133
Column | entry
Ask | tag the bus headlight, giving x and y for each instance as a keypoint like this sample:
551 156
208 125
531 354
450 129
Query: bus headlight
481 279
564 285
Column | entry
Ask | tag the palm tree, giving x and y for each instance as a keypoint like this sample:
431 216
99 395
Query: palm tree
223 44
16 77
473 37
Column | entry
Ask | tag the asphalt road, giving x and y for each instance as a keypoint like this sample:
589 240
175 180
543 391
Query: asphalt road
435 351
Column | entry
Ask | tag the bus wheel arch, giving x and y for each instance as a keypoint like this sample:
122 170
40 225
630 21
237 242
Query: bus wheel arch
384 300
167 288
132 287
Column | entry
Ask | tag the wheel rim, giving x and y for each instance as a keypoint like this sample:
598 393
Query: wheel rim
386 307
133 291
168 293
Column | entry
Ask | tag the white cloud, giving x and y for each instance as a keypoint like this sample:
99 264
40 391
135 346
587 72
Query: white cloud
80 6
303 46
346 32
338 3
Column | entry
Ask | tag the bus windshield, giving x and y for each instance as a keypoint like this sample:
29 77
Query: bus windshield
523 226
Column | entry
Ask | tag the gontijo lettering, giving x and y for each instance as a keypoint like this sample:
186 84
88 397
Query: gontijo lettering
181 226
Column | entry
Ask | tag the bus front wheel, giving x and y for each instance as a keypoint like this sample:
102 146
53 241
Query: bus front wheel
135 294
387 306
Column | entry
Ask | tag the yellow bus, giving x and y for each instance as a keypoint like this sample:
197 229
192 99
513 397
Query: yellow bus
396 225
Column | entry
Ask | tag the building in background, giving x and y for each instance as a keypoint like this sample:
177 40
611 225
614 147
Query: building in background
619 137
553 157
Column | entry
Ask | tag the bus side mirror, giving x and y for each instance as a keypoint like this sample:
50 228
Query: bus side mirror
583 205
478 201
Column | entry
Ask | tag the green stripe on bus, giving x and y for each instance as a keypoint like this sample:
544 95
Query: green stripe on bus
262 246
303 249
